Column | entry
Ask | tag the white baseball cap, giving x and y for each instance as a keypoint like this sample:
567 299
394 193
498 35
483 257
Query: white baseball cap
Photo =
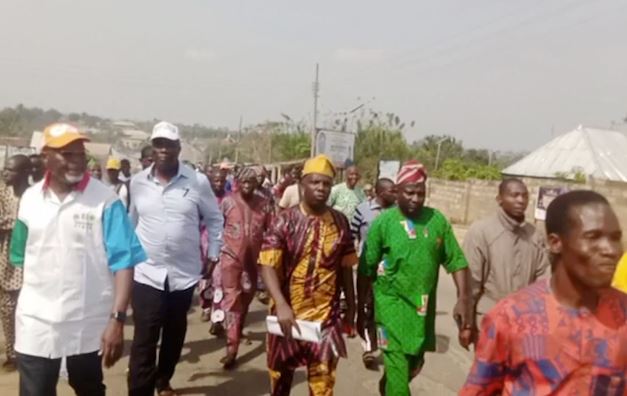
165 130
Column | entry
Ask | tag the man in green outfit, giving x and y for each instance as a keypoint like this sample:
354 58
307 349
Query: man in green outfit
404 249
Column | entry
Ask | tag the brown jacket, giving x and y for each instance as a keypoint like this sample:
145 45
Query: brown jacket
503 256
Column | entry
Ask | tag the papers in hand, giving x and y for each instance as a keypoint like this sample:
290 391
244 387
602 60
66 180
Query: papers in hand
309 331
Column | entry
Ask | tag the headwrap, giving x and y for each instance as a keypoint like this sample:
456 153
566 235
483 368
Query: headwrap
320 164
258 170
411 172
247 173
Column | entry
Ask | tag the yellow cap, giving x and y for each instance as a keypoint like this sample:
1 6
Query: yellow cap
60 135
114 163
320 164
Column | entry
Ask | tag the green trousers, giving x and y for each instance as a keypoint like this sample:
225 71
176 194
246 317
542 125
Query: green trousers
400 369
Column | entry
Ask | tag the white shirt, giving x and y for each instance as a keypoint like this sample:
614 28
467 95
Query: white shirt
168 221
69 250
291 196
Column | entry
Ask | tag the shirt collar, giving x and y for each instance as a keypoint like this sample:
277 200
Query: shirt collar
183 171
80 186
508 222
374 205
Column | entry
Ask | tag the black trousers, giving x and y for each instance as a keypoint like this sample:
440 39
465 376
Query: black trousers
156 313
39 375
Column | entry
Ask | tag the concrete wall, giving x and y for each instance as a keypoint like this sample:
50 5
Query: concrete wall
464 202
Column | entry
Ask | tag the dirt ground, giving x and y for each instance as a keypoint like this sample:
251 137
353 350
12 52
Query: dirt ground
200 373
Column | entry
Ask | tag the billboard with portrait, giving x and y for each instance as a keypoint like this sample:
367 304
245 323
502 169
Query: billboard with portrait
339 146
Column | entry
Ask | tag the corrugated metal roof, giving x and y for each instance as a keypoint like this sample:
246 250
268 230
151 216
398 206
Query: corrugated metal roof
597 153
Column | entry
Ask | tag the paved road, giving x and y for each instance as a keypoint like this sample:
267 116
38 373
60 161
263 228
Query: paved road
200 373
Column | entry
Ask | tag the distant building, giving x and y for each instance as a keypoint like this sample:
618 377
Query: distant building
100 151
133 139
583 152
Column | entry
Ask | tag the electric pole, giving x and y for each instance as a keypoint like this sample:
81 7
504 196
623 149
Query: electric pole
239 138
314 129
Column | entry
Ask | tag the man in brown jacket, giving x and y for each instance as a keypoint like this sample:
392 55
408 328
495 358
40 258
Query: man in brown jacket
505 253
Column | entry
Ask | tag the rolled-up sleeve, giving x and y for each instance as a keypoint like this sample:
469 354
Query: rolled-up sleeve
211 217
475 252
121 243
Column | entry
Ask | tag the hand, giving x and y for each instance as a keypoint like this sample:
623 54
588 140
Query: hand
208 268
463 313
468 337
112 343
286 319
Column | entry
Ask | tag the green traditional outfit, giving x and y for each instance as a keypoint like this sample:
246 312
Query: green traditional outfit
403 257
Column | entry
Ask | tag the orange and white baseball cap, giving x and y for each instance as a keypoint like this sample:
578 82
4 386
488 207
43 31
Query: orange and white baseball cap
61 134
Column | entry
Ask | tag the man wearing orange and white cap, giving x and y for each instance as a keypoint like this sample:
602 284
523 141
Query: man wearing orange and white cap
114 167
77 248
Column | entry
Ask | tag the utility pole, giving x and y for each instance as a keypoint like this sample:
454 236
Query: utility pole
239 138
314 129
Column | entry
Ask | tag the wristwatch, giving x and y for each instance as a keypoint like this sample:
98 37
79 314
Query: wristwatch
119 316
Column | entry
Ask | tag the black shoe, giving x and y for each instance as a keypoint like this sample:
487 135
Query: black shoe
370 361
216 329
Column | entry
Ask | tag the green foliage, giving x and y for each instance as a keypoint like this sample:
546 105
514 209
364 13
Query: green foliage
575 174
290 146
379 136
22 121
426 150
460 169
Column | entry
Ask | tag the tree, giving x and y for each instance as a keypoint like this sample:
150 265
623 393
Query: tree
426 150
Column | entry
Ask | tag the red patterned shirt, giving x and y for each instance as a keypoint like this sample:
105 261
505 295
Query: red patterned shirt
530 344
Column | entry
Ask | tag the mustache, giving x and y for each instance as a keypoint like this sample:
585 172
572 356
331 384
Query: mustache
73 178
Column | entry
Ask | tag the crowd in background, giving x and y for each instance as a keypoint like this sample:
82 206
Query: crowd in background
331 260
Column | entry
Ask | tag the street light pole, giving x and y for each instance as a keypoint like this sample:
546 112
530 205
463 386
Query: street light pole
314 130
437 154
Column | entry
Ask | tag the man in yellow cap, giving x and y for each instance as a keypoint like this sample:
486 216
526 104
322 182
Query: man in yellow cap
306 255
77 249
114 166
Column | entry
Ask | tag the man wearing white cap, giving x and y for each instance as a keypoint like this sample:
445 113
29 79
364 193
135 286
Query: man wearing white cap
169 201
77 248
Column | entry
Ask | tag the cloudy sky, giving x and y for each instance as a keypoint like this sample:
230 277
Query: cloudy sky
496 74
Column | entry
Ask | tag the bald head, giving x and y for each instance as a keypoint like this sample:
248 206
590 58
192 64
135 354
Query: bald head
383 183
21 161
352 176
17 170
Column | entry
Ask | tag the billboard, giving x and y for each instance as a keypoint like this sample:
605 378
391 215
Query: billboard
7 152
546 194
388 169
339 146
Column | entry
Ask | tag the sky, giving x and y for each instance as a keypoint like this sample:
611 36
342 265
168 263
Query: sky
502 75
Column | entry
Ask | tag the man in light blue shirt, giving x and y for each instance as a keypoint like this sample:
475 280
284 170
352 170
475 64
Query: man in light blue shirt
168 203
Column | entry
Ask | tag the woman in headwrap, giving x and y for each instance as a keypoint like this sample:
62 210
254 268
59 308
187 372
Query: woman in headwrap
246 216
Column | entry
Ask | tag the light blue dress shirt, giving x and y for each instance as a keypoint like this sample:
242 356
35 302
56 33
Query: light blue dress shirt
167 219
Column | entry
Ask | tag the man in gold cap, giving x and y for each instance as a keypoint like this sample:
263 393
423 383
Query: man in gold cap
114 166
306 255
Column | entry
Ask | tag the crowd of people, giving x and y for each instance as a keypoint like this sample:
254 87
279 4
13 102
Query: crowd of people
79 247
